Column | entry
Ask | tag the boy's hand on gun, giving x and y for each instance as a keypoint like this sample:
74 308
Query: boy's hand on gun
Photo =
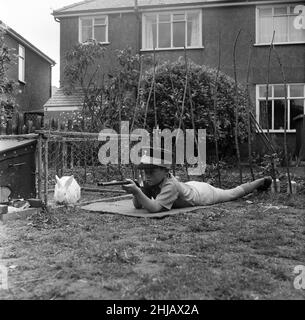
131 187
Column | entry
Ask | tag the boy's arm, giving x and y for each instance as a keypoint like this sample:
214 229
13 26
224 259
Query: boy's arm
136 203
140 199
150 204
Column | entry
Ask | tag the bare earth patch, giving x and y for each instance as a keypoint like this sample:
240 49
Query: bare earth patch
236 250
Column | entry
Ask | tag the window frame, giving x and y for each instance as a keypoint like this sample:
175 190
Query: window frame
257 25
93 17
272 99
21 63
172 13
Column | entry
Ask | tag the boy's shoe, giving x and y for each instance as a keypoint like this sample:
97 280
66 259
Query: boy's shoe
265 186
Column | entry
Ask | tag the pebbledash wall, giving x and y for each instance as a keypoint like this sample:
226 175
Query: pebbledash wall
35 90
125 30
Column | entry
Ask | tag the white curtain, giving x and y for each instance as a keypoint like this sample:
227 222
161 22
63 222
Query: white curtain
195 31
280 26
149 35
265 29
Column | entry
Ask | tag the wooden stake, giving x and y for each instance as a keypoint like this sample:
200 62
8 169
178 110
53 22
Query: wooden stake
138 94
215 112
285 119
236 110
266 115
248 115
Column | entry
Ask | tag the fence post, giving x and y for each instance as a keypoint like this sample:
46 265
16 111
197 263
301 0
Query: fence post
38 122
55 126
46 124
9 127
70 128
15 123
24 129
46 171
39 165
20 123
29 125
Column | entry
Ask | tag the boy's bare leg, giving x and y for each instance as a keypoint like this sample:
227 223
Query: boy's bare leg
262 184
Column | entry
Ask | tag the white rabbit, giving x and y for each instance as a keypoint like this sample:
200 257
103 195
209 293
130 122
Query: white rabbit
67 190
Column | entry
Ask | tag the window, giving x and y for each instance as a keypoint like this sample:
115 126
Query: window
172 30
281 20
21 63
94 28
276 105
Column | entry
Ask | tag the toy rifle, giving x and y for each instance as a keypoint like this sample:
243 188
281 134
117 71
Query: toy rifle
116 183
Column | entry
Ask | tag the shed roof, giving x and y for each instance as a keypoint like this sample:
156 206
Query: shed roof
61 99
9 145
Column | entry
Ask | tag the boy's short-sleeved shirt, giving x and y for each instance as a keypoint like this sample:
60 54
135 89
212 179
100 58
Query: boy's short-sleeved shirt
172 193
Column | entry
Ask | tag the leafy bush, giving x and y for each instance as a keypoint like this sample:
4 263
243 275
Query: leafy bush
109 96
113 99
169 92
7 86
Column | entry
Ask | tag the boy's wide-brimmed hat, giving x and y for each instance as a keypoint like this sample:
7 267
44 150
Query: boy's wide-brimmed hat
155 157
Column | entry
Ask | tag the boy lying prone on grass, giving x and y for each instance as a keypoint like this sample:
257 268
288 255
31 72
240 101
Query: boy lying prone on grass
162 191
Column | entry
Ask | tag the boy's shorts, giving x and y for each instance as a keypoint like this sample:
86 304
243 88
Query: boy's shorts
206 194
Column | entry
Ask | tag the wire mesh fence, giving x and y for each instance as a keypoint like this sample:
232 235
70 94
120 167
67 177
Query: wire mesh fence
68 153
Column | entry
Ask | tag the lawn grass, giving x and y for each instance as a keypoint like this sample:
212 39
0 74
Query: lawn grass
246 249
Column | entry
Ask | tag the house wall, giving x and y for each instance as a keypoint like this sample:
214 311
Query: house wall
232 19
226 21
123 33
37 87
68 38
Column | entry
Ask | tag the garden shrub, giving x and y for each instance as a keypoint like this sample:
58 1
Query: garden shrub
169 91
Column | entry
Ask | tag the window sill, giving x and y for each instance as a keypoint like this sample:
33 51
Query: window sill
278 44
87 42
278 131
171 49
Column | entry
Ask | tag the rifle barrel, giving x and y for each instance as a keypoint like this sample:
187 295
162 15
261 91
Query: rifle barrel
113 183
